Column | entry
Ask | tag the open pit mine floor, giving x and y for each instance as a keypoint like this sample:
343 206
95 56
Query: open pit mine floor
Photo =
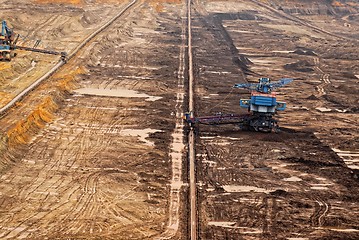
99 149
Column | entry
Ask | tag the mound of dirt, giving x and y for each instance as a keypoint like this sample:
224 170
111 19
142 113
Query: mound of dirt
247 16
347 89
349 75
312 97
300 66
303 51
243 15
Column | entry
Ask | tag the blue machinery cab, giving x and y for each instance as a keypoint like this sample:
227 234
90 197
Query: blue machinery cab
263 104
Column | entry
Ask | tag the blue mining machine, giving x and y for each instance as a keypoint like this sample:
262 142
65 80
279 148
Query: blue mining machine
261 106
8 45
7 38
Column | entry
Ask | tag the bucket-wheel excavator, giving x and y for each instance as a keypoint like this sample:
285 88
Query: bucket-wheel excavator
261 106
8 45
7 38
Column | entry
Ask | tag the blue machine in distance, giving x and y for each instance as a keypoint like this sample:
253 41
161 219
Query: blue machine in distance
7 37
261 106
8 45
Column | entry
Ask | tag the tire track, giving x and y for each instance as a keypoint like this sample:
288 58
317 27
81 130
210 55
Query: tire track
320 211
177 147
324 78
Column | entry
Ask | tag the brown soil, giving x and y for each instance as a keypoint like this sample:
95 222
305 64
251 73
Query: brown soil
95 166
291 184
88 154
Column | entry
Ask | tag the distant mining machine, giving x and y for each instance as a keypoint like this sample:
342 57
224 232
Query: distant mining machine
7 38
261 106
8 45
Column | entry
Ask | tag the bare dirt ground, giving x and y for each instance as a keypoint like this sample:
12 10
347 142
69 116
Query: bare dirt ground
291 185
59 27
95 152
94 163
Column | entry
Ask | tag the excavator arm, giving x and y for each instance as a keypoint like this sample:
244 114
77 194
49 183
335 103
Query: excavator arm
280 83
